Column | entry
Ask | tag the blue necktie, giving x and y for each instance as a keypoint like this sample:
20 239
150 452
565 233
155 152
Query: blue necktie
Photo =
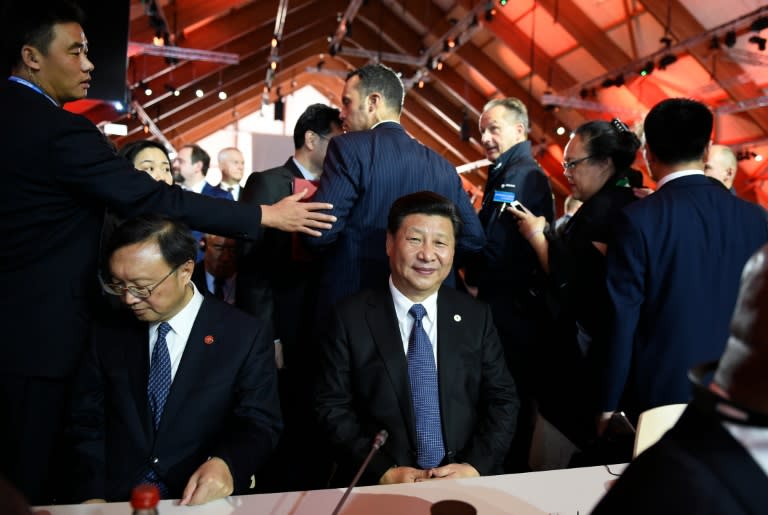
159 383
425 394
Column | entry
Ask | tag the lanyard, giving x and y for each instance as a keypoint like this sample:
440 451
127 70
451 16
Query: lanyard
34 87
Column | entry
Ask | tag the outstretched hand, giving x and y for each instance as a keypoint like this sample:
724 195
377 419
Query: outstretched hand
292 215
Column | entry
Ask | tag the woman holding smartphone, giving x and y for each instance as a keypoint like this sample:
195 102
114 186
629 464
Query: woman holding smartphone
597 162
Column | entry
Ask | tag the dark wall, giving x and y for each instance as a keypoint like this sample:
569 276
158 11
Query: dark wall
106 27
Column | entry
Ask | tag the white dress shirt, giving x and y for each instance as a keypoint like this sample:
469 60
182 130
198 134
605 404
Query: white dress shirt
754 440
405 321
181 325
677 175
306 173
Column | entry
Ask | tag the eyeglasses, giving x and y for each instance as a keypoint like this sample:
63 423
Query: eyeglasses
140 292
568 165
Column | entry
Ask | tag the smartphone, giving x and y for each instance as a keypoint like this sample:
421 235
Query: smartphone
517 205
619 424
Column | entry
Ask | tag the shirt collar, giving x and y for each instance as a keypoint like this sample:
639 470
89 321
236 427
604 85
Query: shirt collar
676 175
383 121
306 173
33 87
182 322
403 304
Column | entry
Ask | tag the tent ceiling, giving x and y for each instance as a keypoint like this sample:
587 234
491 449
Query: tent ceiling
527 49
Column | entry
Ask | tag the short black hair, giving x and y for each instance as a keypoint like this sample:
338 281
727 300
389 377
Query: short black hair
423 203
610 140
30 22
173 237
380 78
132 149
678 130
199 155
317 118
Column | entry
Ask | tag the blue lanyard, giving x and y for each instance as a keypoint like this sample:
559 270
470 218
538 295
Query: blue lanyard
34 87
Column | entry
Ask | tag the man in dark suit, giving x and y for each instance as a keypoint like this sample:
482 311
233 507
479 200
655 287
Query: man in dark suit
277 282
216 274
713 461
183 393
57 183
673 273
507 273
365 170
418 359
274 274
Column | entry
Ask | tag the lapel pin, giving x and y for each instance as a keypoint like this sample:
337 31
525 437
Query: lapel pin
208 340
457 318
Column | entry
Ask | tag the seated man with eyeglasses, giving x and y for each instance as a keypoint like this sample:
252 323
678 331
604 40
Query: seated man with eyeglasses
181 394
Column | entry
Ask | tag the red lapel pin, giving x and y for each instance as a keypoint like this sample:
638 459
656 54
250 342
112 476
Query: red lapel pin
208 340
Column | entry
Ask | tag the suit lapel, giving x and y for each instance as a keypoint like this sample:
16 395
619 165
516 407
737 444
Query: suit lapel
448 360
291 167
192 365
382 321
135 340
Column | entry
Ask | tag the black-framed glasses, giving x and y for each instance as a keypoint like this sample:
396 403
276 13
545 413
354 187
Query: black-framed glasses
569 165
140 292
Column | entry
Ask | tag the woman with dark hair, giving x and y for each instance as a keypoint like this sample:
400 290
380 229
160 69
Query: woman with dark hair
151 157
597 162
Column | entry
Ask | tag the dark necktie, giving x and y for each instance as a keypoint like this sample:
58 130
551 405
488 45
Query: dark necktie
159 383
218 287
425 393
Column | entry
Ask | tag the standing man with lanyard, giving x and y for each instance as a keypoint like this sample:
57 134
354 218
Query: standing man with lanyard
59 177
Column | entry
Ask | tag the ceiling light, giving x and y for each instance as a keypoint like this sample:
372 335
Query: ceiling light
730 38
647 69
560 130
199 93
759 24
222 95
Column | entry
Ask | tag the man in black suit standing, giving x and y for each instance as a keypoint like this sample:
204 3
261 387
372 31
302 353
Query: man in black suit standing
418 359
216 273
277 283
57 183
366 170
182 393
713 460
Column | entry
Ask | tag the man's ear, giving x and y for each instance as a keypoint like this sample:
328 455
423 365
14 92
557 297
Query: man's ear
30 56
374 101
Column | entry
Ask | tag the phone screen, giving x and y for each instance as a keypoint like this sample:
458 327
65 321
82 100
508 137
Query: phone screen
506 197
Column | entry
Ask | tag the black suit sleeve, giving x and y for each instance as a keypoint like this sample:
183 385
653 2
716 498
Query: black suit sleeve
94 172
497 405
334 405
252 433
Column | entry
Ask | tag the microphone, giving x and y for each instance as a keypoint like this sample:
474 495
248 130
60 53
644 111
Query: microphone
378 441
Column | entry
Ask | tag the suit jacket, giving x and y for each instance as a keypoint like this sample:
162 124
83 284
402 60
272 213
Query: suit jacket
57 182
364 173
272 284
223 402
673 277
364 386
697 467
216 192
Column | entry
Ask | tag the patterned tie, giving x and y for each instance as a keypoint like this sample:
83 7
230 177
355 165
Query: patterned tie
159 383
424 393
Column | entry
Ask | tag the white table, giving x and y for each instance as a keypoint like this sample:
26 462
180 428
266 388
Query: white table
565 492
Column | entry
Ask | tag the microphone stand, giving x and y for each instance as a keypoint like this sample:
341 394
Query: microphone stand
381 438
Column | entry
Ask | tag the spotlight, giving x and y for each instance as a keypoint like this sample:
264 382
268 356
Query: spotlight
730 38
647 69
759 41
583 93
714 44
274 42
449 44
222 95
490 14
607 83
619 81
758 157
433 63
176 92
560 130
439 65
199 93
279 109
666 60
503 2
146 88
172 90
666 41
273 65
421 84
146 129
